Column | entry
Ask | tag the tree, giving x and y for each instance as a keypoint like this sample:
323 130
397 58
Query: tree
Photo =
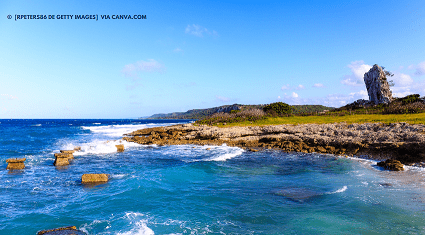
279 108
389 74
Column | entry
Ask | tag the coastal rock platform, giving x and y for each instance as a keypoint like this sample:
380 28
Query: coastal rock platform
398 141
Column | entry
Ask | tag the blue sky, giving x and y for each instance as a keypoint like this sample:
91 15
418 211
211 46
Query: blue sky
201 54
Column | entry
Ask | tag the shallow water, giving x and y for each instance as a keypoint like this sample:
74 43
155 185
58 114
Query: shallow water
191 190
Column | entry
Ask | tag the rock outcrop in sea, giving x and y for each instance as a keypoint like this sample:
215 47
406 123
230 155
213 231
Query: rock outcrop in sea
391 164
70 230
62 159
15 163
94 178
377 86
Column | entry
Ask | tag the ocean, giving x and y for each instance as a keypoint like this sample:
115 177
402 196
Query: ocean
192 189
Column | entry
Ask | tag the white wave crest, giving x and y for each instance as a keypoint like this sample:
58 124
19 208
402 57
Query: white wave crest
229 155
339 190
140 228
97 146
139 224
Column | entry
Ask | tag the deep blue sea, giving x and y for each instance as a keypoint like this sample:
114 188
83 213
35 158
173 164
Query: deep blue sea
191 190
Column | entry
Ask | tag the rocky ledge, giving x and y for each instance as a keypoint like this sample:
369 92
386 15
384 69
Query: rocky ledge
399 141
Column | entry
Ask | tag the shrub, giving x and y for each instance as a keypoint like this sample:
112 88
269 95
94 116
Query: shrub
397 107
279 108
410 99
245 115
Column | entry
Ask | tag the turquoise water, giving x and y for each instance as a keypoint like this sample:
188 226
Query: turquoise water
191 190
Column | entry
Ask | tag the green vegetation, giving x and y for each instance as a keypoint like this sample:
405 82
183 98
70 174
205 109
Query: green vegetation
349 119
277 109
203 113
410 109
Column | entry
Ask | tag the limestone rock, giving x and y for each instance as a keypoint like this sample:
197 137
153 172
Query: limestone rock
71 230
15 163
67 151
377 86
78 148
391 164
94 178
62 159
120 147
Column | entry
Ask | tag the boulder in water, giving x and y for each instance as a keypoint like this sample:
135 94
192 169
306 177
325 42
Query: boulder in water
62 159
15 163
70 230
120 147
392 165
94 178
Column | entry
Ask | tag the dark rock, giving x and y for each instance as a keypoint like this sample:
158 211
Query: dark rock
71 230
15 163
377 86
391 164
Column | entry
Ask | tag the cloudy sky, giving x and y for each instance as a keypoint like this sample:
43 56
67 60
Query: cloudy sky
201 54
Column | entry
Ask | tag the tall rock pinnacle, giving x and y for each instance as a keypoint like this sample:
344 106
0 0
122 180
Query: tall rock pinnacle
377 86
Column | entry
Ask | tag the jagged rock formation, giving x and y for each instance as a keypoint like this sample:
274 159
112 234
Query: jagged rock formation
120 147
399 141
15 163
377 86
391 164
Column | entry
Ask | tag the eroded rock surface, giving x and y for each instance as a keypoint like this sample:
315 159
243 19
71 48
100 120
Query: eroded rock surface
94 178
71 230
377 86
392 165
15 163
399 141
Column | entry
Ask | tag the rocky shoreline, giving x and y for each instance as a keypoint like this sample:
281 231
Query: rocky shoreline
399 141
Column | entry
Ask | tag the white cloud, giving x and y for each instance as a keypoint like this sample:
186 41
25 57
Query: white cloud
199 31
9 97
420 68
318 85
300 87
223 99
177 50
285 87
295 95
358 69
278 97
131 70
401 79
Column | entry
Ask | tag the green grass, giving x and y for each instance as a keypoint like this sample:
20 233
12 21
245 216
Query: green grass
418 118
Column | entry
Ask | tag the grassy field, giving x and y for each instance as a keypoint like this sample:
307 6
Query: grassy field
418 118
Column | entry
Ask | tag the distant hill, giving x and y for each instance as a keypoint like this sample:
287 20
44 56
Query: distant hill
202 113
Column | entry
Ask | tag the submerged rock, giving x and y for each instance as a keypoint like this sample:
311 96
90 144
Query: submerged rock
78 148
298 194
71 230
15 163
120 147
377 86
391 164
94 178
